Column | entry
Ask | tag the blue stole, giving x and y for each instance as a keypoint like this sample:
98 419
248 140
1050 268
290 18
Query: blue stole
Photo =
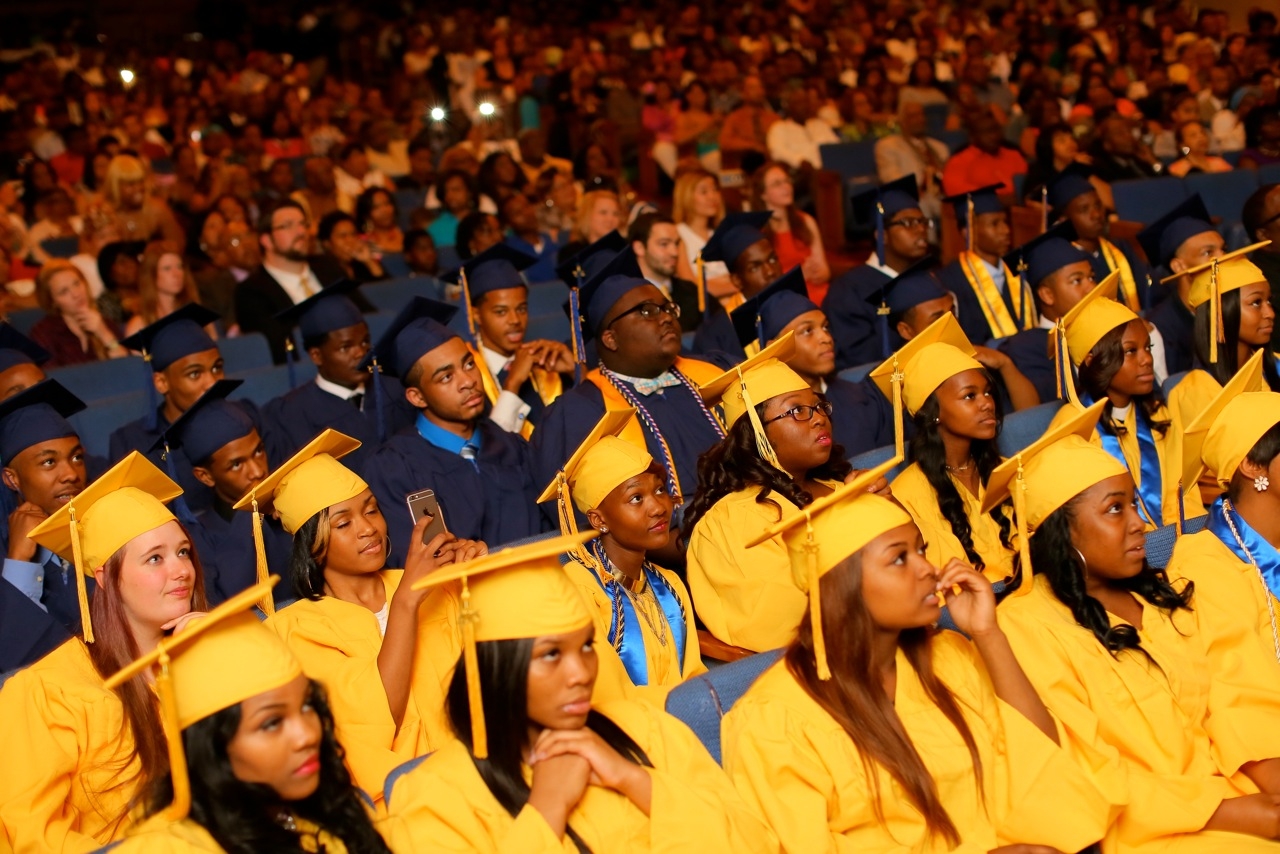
1150 481
630 644
1264 555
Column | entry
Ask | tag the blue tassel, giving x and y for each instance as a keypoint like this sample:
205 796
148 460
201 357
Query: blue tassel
380 417
575 325
179 504
880 235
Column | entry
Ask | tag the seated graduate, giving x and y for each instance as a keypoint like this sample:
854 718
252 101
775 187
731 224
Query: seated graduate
481 474
638 336
380 648
902 239
1073 197
44 468
916 300
1181 239
861 419
254 763
1059 275
520 377
538 762
20 361
992 300
642 612
957 418
878 732
1179 736
78 753
229 459
1110 347
184 362
746 250
335 337
778 456
1235 561
575 272
1231 299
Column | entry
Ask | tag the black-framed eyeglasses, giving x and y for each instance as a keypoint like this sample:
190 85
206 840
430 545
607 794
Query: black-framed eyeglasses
909 222
804 412
650 310
1268 222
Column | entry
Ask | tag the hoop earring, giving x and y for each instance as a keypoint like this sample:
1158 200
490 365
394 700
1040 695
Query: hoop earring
1260 483
1084 564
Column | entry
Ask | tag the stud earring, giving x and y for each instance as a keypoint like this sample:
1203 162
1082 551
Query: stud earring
604 529
1261 483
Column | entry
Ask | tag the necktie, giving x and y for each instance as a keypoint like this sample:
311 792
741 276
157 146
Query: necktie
357 400
468 453
647 387
305 280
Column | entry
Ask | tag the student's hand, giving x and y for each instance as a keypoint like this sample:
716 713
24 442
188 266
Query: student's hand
880 487
608 767
22 521
1256 815
520 368
422 559
552 356
992 360
182 622
974 607
459 551
559 782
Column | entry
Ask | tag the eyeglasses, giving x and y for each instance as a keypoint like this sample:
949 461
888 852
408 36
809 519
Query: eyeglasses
650 310
909 222
804 412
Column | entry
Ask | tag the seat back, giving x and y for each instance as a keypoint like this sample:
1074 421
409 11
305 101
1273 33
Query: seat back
25 318
394 264
1269 174
702 701
407 201
1147 199
95 424
552 326
393 294
398 772
1172 382
60 247
858 373
1224 193
92 381
1161 541
1022 428
264 384
245 353
547 297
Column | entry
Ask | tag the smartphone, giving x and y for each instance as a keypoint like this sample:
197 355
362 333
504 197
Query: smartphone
424 503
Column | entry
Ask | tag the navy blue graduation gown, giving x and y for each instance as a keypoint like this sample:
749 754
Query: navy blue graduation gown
27 633
861 417
568 421
1136 265
494 501
1177 326
296 417
716 341
852 316
227 554
1029 350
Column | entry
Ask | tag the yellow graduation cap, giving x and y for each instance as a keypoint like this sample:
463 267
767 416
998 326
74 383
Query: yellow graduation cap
821 535
754 381
910 375
531 597
1221 436
1209 281
126 501
1046 475
1094 316
217 661
307 483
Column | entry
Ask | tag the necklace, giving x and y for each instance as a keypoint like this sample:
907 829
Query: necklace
958 469
1271 610
642 597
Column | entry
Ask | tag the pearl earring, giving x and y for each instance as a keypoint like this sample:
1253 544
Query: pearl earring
1261 483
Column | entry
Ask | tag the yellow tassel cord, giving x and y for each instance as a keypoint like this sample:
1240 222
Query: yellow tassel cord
767 453
469 618
1044 208
702 283
1217 334
178 809
82 592
568 524
267 604
466 301
896 382
1062 366
815 600
1024 539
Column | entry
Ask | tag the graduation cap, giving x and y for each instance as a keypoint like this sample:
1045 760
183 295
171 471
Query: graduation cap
496 268
912 286
34 415
418 329
95 524
1161 239
736 233
588 261
983 200
1093 317
328 310
217 661
1070 184
208 424
1046 254
173 337
762 318
18 349
602 291
885 202
515 593
1212 279
1223 434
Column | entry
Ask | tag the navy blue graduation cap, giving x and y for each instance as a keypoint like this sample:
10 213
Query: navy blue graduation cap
419 328
1071 183
588 261
1161 239
328 310
34 415
172 337
495 269
602 291
912 286
762 318
208 424
735 234
883 203
18 349
983 200
1046 254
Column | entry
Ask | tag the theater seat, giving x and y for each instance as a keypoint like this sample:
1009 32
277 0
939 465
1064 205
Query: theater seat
245 353
1022 428
393 294
94 381
858 373
1224 193
1161 541
264 384
547 297
1171 382
95 424
25 318
1269 174
1147 199
398 772
702 701
553 326
394 265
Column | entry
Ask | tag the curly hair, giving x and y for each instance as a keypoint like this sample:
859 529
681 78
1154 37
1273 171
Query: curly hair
929 453
1054 555
735 464
1096 375
1228 357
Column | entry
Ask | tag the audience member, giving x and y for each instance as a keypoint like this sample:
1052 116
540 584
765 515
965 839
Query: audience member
911 152
73 330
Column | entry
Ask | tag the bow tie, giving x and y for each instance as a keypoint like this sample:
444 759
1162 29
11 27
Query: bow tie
647 387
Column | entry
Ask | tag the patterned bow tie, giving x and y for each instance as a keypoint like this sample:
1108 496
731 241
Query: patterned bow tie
647 387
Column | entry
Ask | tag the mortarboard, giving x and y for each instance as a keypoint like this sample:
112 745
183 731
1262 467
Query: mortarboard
1070 184
611 282
762 317
328 310
1209 281
496 268
984 200
1161 239
908 289
575 272
1223 434
735 234
883 203
1093 317
173 337
18 349
208 424
1046 254
34 415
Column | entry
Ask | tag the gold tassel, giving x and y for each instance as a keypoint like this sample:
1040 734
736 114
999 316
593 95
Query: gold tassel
896 382
1216 331
702 283
267 604
968 231
1024 540
468 618
466 301
763 445
815 600
569 524
1044 208
181 804
82 591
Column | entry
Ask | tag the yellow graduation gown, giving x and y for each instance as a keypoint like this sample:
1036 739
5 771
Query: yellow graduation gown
338 643
666 670
444 805
1229 595
158 836
1165 740
913 491
69 766
793 761
1168 449
744 596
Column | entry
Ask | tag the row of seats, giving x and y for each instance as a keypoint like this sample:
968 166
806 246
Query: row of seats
1224 193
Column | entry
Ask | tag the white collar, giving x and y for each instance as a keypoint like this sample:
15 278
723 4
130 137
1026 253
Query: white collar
338 390
494 360
1046 323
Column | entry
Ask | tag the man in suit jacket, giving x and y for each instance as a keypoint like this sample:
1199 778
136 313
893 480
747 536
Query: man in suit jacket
288 275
